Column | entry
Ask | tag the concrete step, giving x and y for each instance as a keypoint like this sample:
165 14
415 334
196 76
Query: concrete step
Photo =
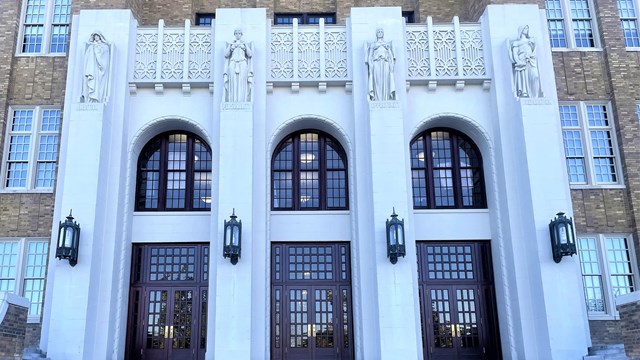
609 352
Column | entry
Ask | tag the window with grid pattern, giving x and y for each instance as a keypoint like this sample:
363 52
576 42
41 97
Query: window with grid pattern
45 27
589 144
607 265
309 172
23 267
629 20
574 17
446 171
31 150
174 174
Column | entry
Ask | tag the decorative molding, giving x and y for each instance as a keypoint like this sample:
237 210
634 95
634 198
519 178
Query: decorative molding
388 104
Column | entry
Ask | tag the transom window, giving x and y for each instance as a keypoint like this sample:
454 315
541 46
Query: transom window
591 161
45 27
174 174
446 171
607 265
203 19
305 18
31 149
573 16
309 172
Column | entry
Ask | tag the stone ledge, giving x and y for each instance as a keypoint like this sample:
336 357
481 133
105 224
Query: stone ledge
628 298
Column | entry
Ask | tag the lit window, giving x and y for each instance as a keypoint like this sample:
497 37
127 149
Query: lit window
607 264
629 20
31 149
309 172
570 16
174 174
45 27
287 19
23 266
589 144
446 171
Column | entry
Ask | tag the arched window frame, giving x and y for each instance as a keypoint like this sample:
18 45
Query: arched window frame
429 191
191 171
323 202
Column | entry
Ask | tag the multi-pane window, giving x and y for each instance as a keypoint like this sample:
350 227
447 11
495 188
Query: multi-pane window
309 172
31 149
205 19
574 17
446 171
23 266
607 265
589 144
629 22
45 27
174 174
305 18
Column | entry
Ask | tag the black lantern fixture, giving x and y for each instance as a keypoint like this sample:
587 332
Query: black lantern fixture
563 241
68 240
232 238
395 238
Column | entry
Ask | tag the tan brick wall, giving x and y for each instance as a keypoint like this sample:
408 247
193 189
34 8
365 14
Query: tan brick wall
12 332
134 5
605 332
26 215
32 336
630 328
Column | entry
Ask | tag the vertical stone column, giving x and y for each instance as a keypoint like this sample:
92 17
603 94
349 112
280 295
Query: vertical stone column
82 299
232 300
537 321
391 291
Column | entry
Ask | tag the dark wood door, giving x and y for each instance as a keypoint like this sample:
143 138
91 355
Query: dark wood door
311 315
457 301
168 302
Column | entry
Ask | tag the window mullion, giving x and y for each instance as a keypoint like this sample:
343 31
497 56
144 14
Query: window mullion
568 23
46 32
162 176
34 147
322 173
431 201
295 176
20 266
588 147
610 305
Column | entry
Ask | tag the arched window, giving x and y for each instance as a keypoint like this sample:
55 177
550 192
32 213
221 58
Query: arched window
309 172
446 171
174 174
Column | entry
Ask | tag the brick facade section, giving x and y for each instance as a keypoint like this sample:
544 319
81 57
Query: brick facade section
630 328
12 332
605 332
32 336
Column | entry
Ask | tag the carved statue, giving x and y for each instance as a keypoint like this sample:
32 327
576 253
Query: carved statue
522 53
380 60
97 62
238 70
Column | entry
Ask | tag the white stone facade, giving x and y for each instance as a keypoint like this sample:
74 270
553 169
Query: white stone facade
539 302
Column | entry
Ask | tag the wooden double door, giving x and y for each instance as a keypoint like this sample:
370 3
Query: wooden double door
311 314
457 301
168 302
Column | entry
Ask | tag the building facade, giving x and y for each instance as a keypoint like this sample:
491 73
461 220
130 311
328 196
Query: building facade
474 121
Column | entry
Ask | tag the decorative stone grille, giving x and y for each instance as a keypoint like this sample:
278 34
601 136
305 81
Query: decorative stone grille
182 55
309 53
445 51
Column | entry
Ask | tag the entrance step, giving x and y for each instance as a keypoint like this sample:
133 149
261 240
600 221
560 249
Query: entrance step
34 354
608 352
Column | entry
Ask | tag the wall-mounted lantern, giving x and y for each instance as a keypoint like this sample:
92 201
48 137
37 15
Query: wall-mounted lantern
232 238
68 240
395 238
563 241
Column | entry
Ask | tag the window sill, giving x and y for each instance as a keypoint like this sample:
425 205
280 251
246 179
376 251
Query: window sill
595 187
26 191
451 211
34 320
172 213
585 49
310 212
603 317
26 55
